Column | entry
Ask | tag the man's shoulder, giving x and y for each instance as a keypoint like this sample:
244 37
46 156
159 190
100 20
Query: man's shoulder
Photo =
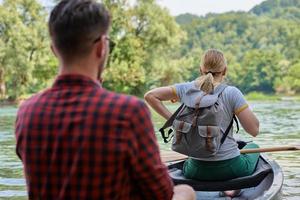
33 99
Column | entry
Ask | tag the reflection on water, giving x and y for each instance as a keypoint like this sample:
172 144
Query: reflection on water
12 184
280 125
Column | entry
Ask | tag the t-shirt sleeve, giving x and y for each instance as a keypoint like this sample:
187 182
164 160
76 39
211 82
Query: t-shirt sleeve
150 174
237 100
180 89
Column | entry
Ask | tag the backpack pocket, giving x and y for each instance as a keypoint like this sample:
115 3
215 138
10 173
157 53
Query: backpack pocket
181 128
209 140
198 141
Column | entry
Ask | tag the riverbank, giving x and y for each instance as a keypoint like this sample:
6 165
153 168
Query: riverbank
4 103
252 96
15 102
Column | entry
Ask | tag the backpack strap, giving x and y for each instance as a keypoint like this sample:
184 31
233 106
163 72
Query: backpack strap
236 123
169 123
219 89
229 127
218 92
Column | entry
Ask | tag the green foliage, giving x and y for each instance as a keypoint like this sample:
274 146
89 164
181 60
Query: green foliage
260 70
278 8
259 96
292 80
154 49
24 50
146 36
185 18
260 49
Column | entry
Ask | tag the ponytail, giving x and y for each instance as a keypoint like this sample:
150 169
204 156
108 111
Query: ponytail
213 64
206 83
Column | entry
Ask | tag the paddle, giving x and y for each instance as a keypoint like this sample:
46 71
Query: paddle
271 149
168 156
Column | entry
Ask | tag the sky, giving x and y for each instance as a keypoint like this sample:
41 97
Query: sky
200 7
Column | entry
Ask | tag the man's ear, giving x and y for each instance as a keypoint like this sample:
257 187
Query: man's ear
101 47
53 49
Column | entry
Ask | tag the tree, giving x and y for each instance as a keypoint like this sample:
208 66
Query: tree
255 46
153 50
24 50
146 36
259 71
291 82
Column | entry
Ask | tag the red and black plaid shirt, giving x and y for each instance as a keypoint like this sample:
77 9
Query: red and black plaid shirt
79 141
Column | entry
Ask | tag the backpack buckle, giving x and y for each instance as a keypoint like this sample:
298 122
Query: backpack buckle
166 138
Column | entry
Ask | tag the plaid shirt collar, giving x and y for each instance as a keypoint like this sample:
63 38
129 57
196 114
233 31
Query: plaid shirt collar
70 80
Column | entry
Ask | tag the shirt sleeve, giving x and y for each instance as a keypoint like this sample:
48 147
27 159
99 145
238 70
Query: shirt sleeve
151 175
180 89
237 101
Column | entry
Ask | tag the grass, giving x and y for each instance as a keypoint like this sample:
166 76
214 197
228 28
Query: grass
259 96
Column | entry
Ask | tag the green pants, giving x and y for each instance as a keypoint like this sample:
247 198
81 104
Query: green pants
242 165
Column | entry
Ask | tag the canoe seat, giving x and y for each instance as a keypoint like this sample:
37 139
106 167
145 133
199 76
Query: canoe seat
262 170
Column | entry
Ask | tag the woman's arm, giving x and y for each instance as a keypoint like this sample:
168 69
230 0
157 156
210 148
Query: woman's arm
249 121
155 97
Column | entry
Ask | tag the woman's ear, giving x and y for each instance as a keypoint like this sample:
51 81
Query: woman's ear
201 70
224 71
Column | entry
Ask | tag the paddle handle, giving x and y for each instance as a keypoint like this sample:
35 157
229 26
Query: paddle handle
270 149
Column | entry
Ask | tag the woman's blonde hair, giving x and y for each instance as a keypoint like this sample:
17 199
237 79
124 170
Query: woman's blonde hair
213 63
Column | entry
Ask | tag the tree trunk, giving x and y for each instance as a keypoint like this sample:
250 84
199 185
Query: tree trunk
2 85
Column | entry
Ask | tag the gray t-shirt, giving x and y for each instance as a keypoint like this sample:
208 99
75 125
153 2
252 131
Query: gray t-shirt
233 101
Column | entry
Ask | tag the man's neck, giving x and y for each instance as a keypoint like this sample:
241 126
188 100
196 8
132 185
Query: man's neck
84 69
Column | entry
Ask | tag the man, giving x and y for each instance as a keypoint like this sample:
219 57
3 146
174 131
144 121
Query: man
80 141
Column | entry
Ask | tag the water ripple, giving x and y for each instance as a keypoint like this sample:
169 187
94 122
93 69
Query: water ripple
280 125
12 181
13 193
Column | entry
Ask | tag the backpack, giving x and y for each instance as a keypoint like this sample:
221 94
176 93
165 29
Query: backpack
197 127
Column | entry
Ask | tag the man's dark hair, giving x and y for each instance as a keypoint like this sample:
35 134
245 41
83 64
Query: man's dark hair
74 25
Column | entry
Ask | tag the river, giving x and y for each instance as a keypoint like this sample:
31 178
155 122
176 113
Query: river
279 125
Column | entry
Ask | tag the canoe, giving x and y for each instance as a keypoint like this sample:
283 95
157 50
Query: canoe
264 184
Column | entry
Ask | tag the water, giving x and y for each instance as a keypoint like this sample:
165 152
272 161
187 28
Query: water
280 125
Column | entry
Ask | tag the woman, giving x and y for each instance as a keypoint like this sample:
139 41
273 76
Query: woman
228 163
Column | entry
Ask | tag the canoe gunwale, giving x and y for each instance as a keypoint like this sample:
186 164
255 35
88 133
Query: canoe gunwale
278 179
